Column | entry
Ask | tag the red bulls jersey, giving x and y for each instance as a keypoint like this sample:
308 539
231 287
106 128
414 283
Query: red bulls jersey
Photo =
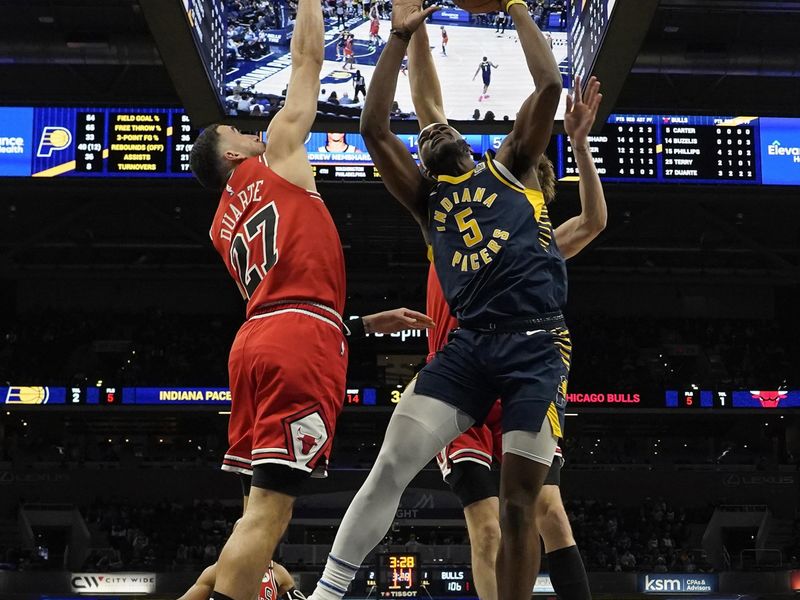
438 310
269 587
278 240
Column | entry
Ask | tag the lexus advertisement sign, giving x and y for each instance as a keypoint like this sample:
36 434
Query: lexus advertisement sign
677 583
113 583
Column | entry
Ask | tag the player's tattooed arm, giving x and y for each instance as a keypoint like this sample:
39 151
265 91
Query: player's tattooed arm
426 89
400 173
576 233
534 124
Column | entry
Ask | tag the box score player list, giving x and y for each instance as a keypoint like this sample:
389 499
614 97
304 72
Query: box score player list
137 142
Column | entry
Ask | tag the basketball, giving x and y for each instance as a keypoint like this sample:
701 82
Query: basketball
479 6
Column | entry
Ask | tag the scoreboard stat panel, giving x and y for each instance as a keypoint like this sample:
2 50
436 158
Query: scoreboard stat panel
156 142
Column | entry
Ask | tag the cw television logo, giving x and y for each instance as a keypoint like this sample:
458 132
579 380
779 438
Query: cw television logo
53 138
27 395
87 582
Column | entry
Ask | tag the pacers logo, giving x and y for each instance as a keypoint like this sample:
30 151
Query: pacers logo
53 139
337 76
27 395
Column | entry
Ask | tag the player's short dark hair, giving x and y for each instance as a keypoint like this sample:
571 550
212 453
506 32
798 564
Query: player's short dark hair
547 178
205 161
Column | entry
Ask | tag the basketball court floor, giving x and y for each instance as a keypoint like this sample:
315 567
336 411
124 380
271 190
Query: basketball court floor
465 50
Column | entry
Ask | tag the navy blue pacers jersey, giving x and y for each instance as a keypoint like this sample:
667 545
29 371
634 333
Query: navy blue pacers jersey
493 246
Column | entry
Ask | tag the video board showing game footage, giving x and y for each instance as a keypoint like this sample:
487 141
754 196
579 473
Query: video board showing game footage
478 58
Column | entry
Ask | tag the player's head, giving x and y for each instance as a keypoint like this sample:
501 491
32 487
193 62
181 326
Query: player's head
546 175
443 151
485 59
336 137
217 151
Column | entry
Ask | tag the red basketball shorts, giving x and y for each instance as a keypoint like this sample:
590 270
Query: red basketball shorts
479 444
287 373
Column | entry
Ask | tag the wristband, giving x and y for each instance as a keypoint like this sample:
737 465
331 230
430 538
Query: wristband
513 2
406 35
294 594
355 328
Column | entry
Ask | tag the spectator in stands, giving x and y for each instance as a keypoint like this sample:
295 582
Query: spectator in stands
340 8
333 98
243 107
256 108
627 561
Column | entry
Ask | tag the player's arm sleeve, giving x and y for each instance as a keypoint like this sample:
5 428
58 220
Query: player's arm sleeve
534 124
399 172
286 134
426 89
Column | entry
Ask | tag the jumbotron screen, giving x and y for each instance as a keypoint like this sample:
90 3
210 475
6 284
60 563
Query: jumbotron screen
258 57
478 57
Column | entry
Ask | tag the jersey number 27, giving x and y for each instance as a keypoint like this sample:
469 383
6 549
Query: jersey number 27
260 230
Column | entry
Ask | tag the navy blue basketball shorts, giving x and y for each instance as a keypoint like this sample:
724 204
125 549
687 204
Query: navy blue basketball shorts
527 370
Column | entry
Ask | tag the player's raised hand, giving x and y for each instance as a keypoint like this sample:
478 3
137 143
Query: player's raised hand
408 15
582 110
392 321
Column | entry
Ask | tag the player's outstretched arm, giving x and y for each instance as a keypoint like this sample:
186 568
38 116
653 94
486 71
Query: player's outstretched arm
574 235
392 321
426 89
398 169
286 135
534 124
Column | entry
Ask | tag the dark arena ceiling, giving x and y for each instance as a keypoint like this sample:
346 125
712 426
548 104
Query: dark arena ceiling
738 57
723 56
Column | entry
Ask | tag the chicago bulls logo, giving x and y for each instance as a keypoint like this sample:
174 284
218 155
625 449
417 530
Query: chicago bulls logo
308 440
768 399
308 437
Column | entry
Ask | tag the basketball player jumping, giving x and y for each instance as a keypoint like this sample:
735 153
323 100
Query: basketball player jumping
505 280
288 362
485 68
466 462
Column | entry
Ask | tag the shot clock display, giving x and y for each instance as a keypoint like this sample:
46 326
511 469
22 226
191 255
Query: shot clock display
398 576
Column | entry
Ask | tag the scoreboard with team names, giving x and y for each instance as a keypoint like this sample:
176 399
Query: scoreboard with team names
157 142
684 149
